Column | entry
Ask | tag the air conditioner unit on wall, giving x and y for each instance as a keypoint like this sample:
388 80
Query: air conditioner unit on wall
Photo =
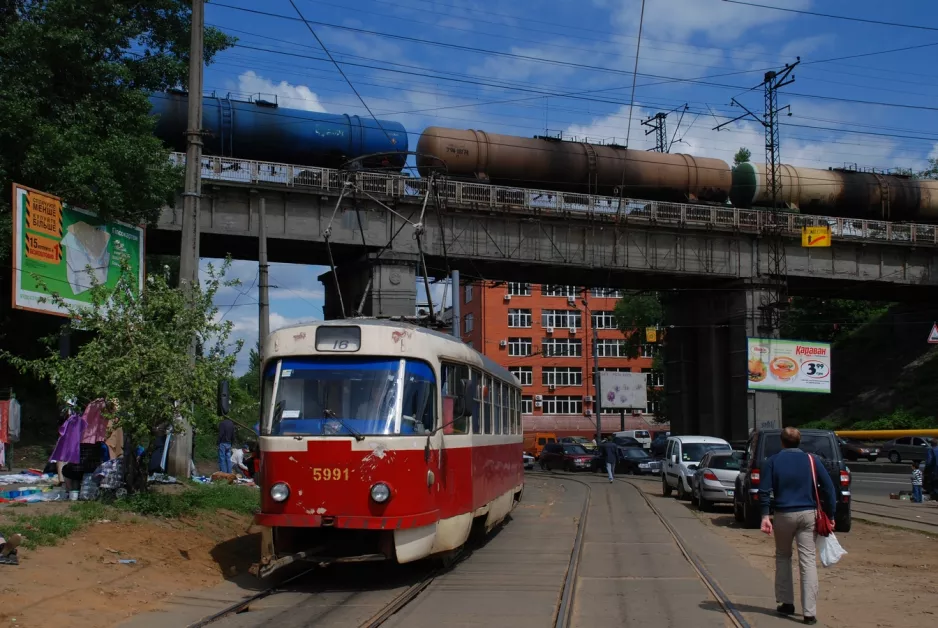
508 297
588 413
503 343
538 397
571 301
538 404
588 398
573 330
550 330
552 387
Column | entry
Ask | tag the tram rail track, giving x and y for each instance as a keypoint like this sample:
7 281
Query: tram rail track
566 605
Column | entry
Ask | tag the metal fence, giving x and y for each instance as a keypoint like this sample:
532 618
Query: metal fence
551 203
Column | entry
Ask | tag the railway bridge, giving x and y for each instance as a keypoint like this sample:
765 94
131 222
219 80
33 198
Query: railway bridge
378 231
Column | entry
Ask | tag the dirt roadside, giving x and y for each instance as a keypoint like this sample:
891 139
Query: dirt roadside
888 578
80 582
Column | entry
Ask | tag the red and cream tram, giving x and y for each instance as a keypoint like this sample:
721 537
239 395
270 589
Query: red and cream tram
381 440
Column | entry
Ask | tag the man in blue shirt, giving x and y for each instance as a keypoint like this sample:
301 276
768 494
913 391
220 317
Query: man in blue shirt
787 476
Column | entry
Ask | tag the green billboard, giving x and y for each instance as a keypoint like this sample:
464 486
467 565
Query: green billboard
54 244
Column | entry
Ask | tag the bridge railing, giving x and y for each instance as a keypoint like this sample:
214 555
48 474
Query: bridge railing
547 202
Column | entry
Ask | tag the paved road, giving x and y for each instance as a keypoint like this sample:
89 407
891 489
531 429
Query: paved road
879 484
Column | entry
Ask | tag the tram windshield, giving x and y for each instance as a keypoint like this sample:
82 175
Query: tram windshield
332 396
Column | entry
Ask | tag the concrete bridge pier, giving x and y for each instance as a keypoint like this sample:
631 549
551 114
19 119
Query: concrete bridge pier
382 287
705 359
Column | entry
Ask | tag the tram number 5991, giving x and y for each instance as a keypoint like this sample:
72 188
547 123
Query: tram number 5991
329 475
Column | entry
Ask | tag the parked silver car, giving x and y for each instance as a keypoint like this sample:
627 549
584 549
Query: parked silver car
714 480
905 449
528 460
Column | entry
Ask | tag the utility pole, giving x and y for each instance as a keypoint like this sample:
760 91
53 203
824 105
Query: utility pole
454 289
181 449
263 308
597 404
775 297
658 126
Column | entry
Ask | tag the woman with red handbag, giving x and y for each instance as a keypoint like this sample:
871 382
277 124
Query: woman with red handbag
791 479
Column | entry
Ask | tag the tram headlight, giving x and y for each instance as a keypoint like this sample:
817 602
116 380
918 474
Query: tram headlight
380 492
279 492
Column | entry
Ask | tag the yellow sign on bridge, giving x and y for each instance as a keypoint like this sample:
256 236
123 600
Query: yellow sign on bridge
815 236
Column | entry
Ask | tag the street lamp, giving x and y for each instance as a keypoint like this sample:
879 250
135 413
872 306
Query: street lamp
597 403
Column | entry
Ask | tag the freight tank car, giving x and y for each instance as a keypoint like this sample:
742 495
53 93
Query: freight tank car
564 166
261 130
836 192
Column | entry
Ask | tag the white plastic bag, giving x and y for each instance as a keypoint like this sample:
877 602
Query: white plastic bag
830 550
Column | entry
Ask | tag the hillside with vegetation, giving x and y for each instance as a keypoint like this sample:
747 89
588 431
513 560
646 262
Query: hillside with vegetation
884 371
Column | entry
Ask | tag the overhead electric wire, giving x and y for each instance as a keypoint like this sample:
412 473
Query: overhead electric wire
638 47
835 17
536 59
338 67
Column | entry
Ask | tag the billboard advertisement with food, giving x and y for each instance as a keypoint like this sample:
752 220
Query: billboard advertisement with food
65 250
792 365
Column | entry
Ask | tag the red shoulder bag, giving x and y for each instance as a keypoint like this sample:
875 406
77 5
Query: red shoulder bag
823 525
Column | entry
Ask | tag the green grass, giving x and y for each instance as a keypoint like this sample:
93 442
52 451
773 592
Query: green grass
39 530
197 498
49 529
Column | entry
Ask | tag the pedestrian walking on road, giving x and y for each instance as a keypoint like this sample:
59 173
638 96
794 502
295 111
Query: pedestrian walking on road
226 432
611 457
917 482
790 476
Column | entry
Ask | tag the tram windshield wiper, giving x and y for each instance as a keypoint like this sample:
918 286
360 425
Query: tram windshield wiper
329 414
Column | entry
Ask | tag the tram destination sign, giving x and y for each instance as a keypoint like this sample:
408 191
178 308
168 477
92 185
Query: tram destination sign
789 365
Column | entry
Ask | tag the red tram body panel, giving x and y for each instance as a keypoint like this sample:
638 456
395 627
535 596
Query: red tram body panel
380 440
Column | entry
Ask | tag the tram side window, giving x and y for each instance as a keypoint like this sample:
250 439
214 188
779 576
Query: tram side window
489 407
497 407
511 410
478 410
453 375
506 409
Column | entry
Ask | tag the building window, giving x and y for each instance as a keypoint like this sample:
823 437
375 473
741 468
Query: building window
525 374
606 293
469 323
527 405
560 319
562 347
520 346
563 404
468 289
519 318
653 378
561 376
604 320
516 289
649 351
606 348
653 407
552 290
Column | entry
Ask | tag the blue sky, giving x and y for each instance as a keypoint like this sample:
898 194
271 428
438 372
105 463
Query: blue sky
527 52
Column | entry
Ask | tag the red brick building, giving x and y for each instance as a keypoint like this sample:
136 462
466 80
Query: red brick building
543 334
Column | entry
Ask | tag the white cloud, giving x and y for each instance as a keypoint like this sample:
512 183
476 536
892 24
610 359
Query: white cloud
289 95
680 20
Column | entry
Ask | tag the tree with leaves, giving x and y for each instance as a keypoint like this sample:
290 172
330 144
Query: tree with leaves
931 172
633 313
137 353
75 116
742 156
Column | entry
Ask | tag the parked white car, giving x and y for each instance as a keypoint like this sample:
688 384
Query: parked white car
681 458
714 482
528 460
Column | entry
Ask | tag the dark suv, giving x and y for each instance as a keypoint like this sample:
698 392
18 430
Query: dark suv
765 443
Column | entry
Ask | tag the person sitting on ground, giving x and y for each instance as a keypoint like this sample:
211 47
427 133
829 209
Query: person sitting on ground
237 461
